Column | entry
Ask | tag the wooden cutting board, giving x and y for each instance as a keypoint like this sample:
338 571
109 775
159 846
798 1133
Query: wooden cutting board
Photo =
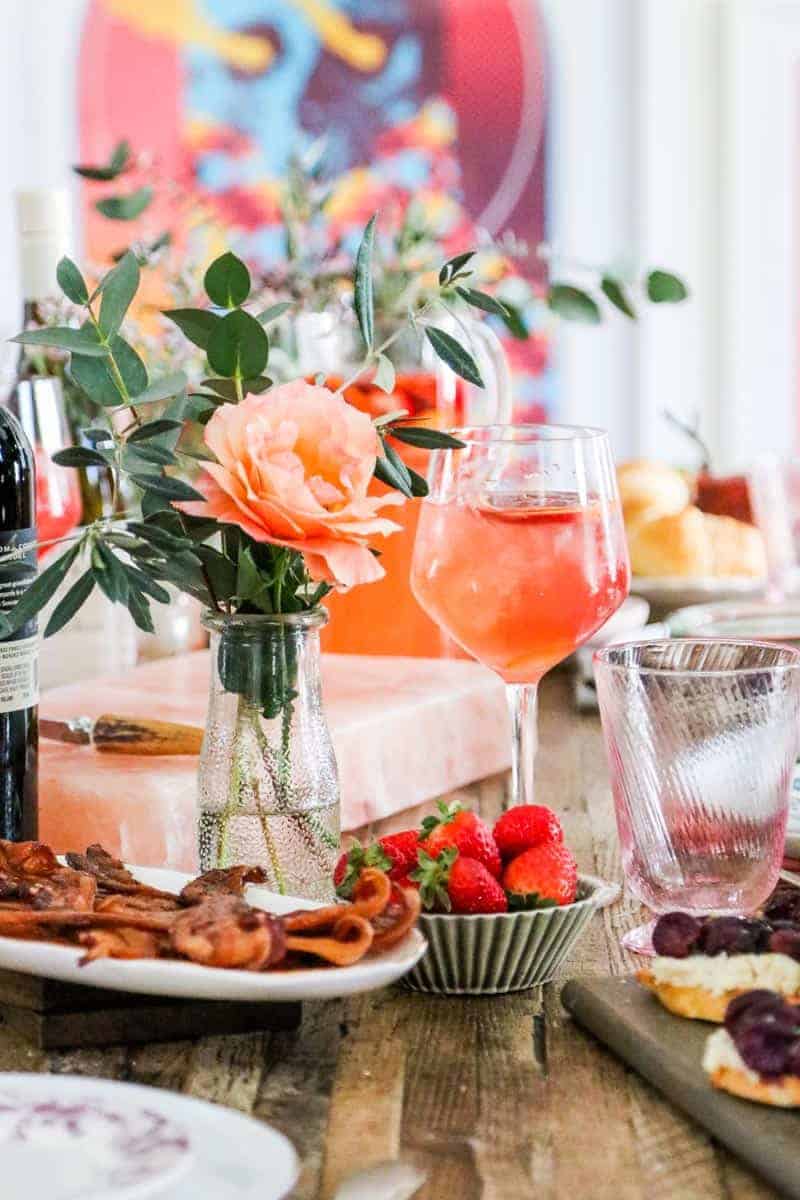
668 1051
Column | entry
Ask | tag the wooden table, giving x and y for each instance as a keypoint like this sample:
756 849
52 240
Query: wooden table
498 1099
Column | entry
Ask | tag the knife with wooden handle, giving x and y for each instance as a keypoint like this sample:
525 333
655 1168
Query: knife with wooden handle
112 734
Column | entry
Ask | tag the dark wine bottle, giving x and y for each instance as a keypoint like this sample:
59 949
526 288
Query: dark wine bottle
19 676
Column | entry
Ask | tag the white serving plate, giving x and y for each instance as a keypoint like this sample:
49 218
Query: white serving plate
674 591
222 1154
163 977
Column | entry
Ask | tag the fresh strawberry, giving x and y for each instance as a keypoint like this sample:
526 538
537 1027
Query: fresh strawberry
396 854
464 830
541 877
525 826
451 882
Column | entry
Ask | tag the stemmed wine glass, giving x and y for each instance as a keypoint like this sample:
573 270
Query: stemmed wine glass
520 556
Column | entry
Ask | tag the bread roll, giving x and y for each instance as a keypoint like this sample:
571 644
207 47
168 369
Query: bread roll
737 549
676 544
649 490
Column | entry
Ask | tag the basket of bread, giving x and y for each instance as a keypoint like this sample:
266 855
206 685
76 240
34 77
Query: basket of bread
690 537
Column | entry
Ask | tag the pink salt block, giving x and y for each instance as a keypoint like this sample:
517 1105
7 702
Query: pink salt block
405 730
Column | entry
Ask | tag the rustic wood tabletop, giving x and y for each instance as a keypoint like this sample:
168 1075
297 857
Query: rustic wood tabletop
497 1098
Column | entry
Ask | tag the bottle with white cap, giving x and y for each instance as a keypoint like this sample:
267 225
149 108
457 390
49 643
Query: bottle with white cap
37 396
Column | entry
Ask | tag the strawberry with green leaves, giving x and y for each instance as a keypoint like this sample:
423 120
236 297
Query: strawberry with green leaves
542 877
525 826
396 854
454 883
457 828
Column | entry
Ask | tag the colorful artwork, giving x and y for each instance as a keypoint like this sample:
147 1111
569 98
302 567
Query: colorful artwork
440 100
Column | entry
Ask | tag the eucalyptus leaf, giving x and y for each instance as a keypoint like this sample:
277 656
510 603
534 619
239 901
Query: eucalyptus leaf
138 455
227 388
274 312
70 603
152 429
78 341
573 304
81 456
197 324
71 282
117 163
120 155
453 353
163 389
94 375
385 377
665 288
227 282
364 299
238 347
482 300
615 293
125 208
166 486
43 588
427 439
118 288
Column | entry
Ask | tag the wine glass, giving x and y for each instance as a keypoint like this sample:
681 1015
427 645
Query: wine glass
701 736
520 556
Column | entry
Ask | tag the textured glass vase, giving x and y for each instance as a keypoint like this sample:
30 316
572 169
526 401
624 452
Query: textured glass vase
268 788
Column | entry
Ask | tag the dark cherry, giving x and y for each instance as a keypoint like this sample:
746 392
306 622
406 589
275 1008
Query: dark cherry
734 935
750 1007
763 1049
676 935
793 1058
785 941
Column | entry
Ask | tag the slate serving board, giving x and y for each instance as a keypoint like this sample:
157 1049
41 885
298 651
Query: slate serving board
668 1051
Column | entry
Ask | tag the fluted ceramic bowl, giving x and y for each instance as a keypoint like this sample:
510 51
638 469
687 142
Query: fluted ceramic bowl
504 952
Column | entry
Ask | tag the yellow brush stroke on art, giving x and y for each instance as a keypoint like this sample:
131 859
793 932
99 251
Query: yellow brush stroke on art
180 21
339 36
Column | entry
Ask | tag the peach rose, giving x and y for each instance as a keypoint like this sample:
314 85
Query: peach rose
293 467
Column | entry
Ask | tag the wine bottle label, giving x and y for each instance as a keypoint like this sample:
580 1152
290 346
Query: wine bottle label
19 672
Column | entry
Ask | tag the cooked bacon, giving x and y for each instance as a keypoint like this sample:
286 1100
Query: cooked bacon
228 881
392 925
111 874
350 940
121 943
223 931
97 903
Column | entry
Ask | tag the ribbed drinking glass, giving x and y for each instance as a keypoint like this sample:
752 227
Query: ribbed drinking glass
701 737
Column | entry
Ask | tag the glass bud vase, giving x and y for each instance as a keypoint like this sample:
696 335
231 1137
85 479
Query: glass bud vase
268 787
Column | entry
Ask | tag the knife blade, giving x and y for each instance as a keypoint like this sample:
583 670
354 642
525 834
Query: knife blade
114 734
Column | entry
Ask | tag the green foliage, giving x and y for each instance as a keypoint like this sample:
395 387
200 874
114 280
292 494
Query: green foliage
125 208
117 163
238 347
614 292
227 282
197 324
451 351
71 281
573 304
364 290
665 288
118 288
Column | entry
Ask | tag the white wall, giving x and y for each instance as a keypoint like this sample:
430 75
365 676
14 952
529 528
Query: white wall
38 130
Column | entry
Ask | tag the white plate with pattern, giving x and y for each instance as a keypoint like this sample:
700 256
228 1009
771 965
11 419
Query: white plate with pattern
67 1137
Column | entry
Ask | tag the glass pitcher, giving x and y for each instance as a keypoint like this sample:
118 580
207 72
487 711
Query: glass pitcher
384 617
